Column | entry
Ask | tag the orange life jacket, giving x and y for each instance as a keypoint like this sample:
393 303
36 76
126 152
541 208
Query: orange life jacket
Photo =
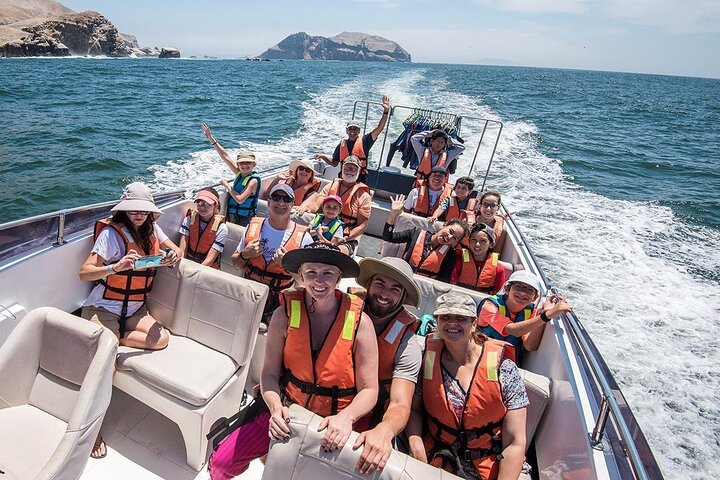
346 213
323 383
479 427
485 279
467 214
428 265
423 207
425 166
270 273
358 150
302 191
201 241
129 285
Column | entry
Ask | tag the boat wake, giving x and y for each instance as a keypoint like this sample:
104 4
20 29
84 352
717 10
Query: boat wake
643 282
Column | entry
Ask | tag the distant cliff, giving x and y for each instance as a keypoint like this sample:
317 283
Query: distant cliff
346 46
47 28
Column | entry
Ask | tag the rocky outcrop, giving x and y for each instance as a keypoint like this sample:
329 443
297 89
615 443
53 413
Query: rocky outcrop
169 52
346 46
47 28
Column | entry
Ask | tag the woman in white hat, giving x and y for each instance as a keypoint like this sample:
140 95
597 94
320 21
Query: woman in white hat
117 301
321 353
470 404
301 178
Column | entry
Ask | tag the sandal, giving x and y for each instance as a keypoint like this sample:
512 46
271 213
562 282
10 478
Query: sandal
99 449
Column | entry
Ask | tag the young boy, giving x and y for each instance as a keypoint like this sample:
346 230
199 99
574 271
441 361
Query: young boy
460 205
244 191
203 231
327 226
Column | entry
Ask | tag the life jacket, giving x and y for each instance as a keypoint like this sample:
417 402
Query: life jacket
201 241
479 428
485 279
303 190
332 227
454 211
324 382
346 212
500 302
270 273
423 207
129 285
428 265
425 166
248 207
358 150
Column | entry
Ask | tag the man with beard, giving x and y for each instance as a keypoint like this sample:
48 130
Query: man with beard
267 240
389 286
356 205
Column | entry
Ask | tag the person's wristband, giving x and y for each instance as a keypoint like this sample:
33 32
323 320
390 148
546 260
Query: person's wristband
213 143
544 317
241 256
386 113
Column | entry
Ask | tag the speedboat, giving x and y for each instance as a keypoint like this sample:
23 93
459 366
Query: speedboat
582 426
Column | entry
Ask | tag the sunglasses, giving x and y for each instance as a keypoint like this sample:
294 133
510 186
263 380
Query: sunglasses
137 212
304 169
281 198
524 288
202 203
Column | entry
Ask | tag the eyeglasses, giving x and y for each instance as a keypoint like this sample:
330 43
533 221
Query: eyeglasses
137 212
524 288
489 205
281 198
304 169
202 203
353 129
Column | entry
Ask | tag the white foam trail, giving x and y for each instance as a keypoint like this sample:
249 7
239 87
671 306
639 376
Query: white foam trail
626 266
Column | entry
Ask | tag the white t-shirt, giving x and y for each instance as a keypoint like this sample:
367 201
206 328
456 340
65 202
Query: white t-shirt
110 247
220 235
412 198
271 239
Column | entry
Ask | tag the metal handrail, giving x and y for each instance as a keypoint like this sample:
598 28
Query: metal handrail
600 375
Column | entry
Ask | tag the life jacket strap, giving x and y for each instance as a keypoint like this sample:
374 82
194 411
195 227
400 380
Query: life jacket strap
308 388
466 435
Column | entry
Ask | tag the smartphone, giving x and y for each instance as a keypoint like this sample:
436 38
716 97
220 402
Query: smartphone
148 262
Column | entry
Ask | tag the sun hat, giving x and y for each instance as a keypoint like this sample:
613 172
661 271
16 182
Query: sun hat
352 159
305 163
523 276
353 123
136 197
481 227
283 187
320 252
455 303
395 268
207 197
332 198
246 156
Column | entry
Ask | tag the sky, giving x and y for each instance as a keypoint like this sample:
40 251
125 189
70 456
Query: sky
675 37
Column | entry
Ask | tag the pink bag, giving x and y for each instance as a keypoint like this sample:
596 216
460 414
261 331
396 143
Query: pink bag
233 455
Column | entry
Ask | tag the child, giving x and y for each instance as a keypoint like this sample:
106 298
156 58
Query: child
327 227
461 205
244 191
203 231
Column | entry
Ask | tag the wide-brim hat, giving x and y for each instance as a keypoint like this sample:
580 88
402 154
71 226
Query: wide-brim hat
136 197
395 268
455 303
320 252
305 163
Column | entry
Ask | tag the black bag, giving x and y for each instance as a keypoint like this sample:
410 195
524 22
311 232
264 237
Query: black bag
225 426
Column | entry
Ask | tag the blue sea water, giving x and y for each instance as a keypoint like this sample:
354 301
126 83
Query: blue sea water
613 177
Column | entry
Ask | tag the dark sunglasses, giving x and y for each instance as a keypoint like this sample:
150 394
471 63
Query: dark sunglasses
281 198
304 169
137 212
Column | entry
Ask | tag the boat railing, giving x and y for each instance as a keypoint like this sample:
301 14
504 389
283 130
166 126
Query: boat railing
612 403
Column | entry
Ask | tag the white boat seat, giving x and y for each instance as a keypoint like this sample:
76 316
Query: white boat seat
200 376
55 386
234 236
538 389
431 289
301 457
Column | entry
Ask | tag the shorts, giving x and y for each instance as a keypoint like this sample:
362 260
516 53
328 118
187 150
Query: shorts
350 245
108 319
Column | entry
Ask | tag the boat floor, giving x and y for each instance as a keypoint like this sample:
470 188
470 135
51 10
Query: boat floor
144 445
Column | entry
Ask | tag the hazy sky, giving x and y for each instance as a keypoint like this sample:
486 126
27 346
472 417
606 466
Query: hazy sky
677 37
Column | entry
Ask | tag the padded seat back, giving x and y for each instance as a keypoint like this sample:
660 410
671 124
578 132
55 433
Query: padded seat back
431 289
233 239
538 389
301 457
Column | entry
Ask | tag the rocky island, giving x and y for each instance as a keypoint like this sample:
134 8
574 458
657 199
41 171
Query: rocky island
35 28
345 46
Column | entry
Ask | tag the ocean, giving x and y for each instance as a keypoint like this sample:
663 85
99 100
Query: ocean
613 177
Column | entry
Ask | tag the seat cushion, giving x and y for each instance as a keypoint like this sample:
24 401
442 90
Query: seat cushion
184 369
28 438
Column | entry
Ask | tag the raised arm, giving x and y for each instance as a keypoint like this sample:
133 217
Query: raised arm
383 119
219 149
